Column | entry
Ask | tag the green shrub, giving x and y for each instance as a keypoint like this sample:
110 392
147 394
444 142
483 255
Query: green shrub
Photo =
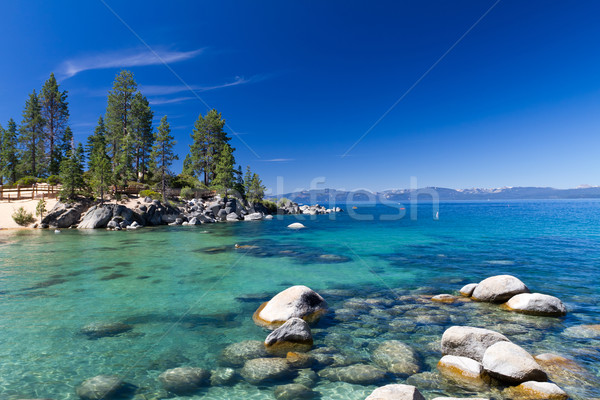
27 181
53 180
271 206
187 193
182 180
40 209
23 217
283 201
150 193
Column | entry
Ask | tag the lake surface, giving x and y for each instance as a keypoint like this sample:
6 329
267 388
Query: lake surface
188 292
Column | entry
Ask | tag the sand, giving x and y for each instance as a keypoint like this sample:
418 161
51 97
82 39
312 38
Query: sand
7 209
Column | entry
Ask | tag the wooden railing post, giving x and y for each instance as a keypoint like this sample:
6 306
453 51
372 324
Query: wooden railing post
1 191
18 192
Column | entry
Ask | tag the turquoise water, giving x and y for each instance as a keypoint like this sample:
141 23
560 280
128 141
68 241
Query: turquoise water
188 292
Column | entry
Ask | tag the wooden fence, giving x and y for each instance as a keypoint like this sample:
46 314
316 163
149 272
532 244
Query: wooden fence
35 191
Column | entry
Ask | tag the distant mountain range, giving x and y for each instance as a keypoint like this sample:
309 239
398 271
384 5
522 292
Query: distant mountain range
445 194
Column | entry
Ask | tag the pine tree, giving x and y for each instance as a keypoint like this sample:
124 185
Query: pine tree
238 184
247 180
2 134
224 172
71 173
118 123
66 144
208 140
10 158
162 152
141 132
55 111
32 137
99 164
96 140
255 190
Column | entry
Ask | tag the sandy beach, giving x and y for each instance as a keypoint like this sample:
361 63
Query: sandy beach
7 209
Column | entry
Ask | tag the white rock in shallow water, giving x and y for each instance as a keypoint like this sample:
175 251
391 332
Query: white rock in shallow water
583 331
510 363
294 335
459 398
296 225
537 304
296 301
498 289
467 290
268 217
466 341
536 391
184 380
396 392
396 357
464 371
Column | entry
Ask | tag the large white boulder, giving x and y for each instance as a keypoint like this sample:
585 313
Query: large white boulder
510 363
537 304
466 341
297 301
464 371
536 391
296 225
498 289
467 290
396 392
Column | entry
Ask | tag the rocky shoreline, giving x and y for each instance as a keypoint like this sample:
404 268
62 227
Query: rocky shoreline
83 214
291 360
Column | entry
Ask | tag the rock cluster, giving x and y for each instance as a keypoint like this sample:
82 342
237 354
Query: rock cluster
515 296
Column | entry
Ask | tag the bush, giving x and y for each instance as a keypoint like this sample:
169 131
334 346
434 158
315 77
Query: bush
283 201
23 217
40 209
187 193
183 180
27 181
53 180
150 193
271 206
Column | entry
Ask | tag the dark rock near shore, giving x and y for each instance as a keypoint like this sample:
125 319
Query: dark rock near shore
64 215
184 380
103 387
98 330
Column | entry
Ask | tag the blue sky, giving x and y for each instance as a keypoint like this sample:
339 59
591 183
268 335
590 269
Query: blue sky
515 103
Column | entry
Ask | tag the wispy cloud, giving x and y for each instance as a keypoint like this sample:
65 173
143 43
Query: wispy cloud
162 100
123 59
278 160
163 90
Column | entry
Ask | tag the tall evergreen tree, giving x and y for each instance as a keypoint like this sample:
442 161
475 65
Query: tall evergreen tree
208 139
255 190
224 170
65 147
238 184
55 111
142 136
118 112
32 137
99 163
10 157
162 152
71 173
2 134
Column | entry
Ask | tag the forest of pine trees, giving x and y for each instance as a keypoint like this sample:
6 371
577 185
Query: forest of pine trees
123 150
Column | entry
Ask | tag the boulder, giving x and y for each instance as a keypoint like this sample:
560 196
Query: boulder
466 372
63 215
299 360
467 290
510 363
97 330
101 387
498 289
296 225
535 391
296 301
537 304
261 370
253 217
444 298
96 217
396 357
360 374
236 354
396 392
194 221
184 380
466 341
459 398
232 217
583 331
294 391
222 376
268 217
293 335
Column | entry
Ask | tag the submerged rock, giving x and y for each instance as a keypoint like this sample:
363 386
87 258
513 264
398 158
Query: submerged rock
293 335
235 355
396 357
510 363
464 371
361 374
102 387
498 289
184 380
583 331
97 330
396 392
261 370
444 298
296 301
294 391
470 342
537 304
536 391
222 376
296 225
299 360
